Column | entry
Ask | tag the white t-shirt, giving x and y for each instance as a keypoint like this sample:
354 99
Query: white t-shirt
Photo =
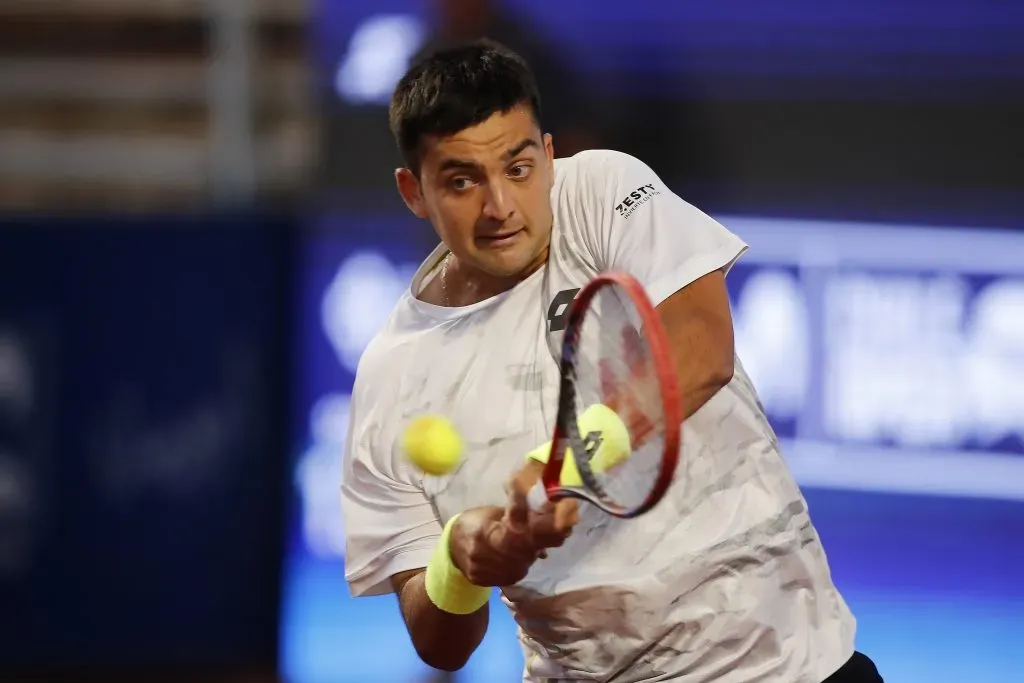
723 581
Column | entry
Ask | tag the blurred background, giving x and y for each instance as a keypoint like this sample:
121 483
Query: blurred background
199 234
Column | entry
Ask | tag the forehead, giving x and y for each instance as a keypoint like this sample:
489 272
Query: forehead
485 143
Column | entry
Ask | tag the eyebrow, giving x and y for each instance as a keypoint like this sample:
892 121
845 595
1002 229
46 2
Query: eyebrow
511 152
521 147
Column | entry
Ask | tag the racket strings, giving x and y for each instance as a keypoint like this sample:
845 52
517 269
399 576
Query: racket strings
614 367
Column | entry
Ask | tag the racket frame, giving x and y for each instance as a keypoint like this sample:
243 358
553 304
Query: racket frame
566 432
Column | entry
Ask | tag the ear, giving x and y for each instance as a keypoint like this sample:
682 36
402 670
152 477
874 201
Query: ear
411 191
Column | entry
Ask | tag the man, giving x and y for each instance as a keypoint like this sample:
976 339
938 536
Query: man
725 580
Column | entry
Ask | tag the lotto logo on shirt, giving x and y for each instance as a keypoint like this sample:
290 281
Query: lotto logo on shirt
635 199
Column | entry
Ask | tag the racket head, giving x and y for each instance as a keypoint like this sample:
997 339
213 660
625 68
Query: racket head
605 359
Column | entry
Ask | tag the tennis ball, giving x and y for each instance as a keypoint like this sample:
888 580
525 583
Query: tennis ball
615 443
432 444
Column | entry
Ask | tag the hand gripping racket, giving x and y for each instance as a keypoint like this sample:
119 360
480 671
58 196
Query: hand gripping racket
618 431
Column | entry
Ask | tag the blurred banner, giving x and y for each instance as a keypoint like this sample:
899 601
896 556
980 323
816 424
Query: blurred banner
140 481
891 362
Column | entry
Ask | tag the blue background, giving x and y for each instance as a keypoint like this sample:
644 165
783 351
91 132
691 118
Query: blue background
911 49
140 517
922 526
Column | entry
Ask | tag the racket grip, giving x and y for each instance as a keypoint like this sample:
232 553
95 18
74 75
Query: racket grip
537 498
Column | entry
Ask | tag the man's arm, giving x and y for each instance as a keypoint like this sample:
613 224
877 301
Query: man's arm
442 640
699 327
631 221
486 552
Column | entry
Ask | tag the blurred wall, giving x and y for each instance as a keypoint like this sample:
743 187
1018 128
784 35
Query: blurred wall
154 158
132 105
141 432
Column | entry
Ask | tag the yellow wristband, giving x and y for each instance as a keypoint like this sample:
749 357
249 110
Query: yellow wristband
446 586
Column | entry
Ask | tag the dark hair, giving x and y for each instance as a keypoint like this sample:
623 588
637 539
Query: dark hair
453 89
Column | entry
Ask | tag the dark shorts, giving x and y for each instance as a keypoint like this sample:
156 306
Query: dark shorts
859 669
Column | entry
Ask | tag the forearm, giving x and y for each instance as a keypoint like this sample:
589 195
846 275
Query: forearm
442 640
445 605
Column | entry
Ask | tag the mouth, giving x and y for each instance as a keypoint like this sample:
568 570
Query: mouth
500 240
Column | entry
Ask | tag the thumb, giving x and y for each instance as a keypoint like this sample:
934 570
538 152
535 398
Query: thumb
517 514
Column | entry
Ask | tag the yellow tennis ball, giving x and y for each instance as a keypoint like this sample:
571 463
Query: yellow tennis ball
432 444
615 443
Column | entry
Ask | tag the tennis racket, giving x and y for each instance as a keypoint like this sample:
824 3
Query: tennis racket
618 430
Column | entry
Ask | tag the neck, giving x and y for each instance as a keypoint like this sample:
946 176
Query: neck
466 285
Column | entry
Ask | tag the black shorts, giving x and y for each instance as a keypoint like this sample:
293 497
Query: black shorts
859 669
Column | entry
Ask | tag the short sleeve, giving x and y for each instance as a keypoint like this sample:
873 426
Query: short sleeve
390 525
632 222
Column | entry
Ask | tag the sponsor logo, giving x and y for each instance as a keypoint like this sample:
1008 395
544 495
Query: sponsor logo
558 311
635 199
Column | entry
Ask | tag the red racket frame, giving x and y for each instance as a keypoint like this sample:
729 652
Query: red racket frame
664 367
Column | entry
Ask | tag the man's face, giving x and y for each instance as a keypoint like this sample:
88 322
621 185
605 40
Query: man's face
487 192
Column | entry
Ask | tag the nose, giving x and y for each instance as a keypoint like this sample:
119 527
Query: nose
497 203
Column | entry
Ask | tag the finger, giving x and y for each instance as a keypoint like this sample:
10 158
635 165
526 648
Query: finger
524 478
510 544
566 515
504 558
517 514
551 529
556 518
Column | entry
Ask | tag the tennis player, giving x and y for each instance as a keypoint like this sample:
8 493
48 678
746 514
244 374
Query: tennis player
725 580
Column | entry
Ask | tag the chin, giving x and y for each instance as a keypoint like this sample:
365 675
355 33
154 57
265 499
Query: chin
506 267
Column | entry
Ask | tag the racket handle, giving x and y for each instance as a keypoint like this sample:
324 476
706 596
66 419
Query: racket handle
537 498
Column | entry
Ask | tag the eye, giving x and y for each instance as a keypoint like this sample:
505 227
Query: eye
520 171
461 183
